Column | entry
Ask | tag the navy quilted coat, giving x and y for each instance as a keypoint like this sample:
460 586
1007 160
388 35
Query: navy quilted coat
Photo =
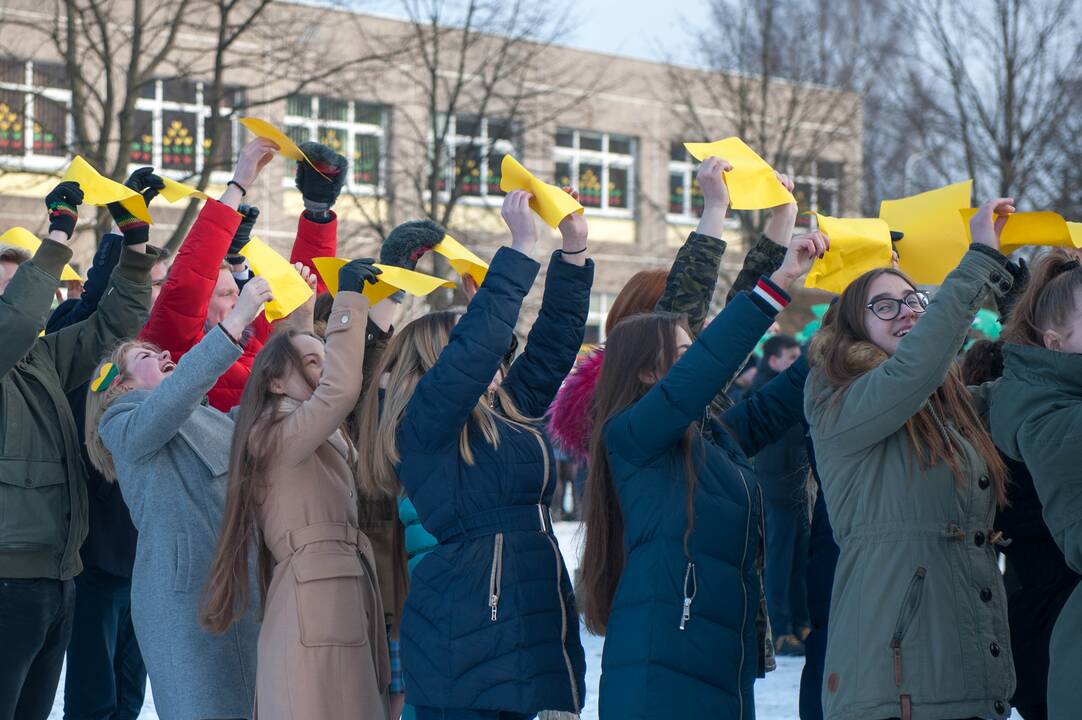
650 667
490 621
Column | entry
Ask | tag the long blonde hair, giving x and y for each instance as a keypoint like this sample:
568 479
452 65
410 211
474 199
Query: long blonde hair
98 402
409 355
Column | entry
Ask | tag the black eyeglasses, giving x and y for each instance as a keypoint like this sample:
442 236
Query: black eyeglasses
890 308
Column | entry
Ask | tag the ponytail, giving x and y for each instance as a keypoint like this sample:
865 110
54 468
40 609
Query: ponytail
1048 301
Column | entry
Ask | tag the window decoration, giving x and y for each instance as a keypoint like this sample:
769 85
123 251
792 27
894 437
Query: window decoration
600 166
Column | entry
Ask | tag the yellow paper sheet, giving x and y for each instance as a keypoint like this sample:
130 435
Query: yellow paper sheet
390 280
28 241
286 146
1075 229
289 288
752 183
935 235
100 190
462 260
857 245
174 191
549 201
1043 228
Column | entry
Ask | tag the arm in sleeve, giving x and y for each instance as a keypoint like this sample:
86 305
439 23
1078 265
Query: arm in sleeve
26 301
762 418
97 279
692 279
764 257
315 239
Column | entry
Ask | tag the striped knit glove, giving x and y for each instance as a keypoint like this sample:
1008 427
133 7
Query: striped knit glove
147 184
63 203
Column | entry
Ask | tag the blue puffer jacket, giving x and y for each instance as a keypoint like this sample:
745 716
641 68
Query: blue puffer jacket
650 668
490 621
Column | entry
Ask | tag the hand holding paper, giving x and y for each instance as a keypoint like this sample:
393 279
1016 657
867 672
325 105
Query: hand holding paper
256 292
281 141
465 263
391 279
23 238
548 201
857 245
99 190
752 183
1047 229
289 288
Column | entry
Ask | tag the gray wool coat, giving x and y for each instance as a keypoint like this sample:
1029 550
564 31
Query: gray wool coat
172 458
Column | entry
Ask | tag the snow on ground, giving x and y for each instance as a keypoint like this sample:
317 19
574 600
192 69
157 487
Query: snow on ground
775 696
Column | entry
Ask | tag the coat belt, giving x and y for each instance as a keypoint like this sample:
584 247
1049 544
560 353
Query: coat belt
294 540
517 518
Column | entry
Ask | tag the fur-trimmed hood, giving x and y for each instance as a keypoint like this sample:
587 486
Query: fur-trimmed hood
861 356
570 417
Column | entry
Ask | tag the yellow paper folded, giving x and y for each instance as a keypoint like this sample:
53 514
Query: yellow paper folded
174 191
752 183
462 260
390 280
100 190
1043 228
289 288
286 146
857 245
935 235
1075 229
549 201
28 241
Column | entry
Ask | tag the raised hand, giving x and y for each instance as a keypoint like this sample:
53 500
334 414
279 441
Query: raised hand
63 203
712 182
354 274
145 182
302 319
574 230
519 217
986 226
256 292
319 192
251 160
803 251
249 214
779 226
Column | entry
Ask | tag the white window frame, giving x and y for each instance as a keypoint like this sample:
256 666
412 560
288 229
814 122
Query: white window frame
815 183
686 167
29 160
484 146
157 106
575 155
351 128
600 315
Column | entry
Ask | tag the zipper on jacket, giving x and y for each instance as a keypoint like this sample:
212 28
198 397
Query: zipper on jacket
689 578
910 605
576 704
495 577
744 594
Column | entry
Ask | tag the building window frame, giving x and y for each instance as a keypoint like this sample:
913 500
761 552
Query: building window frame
600 305
486 147
575 155
686 168
818 186
29 160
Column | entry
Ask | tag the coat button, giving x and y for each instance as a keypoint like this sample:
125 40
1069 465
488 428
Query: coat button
984 482
994 649
345 319
978 538
1000 707
986 595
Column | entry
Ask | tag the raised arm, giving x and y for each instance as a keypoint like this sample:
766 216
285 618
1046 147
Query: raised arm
760 419
72 311
317 228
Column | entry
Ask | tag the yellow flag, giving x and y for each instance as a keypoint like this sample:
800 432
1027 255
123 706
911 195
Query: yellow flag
752 183
174 191
935 235
549 201
462 260
857 245
28 241
286 146
289 288
389 281
1075 229
1044 228
100 190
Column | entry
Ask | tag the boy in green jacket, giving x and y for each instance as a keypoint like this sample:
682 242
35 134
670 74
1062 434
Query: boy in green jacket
43 504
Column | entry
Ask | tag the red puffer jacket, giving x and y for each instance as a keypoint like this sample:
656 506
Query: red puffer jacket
177 320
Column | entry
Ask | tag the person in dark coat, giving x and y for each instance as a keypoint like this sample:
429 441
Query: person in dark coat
782 469
490 625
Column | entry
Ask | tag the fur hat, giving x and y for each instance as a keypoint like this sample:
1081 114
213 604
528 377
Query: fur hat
408 243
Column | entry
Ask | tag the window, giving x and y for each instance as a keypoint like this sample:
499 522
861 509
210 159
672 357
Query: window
599 314
600 166
817 189
474 153
34 110
172 129
355 129
685 197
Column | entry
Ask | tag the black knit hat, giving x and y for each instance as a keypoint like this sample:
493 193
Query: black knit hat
408 243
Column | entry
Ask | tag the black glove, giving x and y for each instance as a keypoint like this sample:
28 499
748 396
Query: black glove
249 214
320 193
146 183
63 203
356 273
1005 303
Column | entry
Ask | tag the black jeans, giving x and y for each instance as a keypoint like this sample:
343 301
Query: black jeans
35 625
106 677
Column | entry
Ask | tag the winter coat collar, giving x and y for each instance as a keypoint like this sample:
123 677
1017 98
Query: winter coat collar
570 418
861 357
1036 365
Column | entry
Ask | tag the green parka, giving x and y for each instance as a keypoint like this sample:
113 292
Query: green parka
1037 418
43 505
918 615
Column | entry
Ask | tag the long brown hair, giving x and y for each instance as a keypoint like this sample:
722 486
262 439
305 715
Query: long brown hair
842 352
640 294
1048 301
409 355
640 347
255 440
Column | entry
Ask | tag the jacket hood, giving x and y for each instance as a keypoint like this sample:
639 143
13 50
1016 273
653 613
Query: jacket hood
861 357
1045 377
1039 366
570 417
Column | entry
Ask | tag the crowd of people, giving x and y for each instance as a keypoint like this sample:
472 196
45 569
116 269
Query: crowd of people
330 516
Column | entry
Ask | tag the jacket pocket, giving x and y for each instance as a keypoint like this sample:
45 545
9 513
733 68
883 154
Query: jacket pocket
33 501
333 606
906 615
495 576
182 571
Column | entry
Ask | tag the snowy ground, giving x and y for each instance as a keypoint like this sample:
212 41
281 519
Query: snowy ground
775 696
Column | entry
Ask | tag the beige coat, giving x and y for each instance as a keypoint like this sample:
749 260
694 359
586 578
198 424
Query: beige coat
323 645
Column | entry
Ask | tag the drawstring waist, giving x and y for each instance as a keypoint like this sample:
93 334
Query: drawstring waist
517 518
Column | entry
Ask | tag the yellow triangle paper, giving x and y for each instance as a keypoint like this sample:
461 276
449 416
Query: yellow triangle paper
390 280
1043 228
935 235
752 183
100 190
289 288
462 260
1075 229
174 191
28 241
857 245
286 146
549 201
